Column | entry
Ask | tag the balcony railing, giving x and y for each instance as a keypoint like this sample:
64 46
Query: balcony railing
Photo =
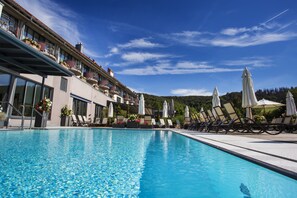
5 26
72 66
104 85
114 91
90 78
48 50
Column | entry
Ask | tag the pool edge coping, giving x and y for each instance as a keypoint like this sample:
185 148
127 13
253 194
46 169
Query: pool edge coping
269 166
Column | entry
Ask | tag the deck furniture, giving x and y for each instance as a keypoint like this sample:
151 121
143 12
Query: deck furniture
242 125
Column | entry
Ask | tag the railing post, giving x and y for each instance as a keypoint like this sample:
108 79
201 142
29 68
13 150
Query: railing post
23 112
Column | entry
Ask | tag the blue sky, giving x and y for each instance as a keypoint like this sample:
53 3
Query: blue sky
172 47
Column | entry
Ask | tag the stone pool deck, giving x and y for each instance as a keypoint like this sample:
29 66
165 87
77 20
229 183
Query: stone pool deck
276 152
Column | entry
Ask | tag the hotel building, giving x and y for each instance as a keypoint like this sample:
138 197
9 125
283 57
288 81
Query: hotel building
36 62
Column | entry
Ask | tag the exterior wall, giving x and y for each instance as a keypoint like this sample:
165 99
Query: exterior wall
62 98
75 85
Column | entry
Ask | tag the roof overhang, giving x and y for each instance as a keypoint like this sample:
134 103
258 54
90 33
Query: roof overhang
17 56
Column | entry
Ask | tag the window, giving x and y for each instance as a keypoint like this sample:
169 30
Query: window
27 94
98 111
64 56
8 23
19 96
79 107
63 85
4 87
29 99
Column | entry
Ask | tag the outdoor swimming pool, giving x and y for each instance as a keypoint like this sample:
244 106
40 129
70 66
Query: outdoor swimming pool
127 163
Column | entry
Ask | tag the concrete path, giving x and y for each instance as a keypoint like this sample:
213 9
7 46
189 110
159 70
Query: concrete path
277 152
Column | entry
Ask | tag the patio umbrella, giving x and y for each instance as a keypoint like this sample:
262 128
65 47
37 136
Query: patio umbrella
249 99
165 109
290 105
187 112
267 104
110 110
141 108
215 100
172 108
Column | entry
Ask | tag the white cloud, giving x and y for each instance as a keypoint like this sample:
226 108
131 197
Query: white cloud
250 62
58 18
139 57
234 31
191 92
267 32
246 40
142 43
139 43
185 67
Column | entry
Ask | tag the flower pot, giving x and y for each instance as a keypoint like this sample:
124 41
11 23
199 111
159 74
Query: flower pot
145 126
2 123
41 120
64 120
132 124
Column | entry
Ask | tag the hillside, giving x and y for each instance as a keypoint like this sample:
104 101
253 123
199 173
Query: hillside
195 103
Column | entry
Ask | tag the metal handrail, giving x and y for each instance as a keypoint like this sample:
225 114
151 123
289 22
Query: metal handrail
33 109
20 113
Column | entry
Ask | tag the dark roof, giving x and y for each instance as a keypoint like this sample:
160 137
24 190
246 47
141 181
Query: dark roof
22 58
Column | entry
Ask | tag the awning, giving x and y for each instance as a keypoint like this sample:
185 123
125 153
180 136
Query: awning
18 56
80 98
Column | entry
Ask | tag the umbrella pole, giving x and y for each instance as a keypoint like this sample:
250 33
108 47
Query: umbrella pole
249 113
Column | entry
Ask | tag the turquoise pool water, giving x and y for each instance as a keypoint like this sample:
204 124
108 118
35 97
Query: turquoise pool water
127 163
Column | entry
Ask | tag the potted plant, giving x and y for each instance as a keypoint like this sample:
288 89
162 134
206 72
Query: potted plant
2 116
31 42
43 107
65 115
259 119
133 122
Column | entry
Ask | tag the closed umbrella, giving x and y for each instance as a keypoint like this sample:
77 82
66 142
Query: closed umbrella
110 110
172 110
141 107
290 105
187 112
249 99
165 109
215 100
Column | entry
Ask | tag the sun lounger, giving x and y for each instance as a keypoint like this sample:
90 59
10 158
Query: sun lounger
206 125
170 124
154 124
214 123
81 121
277 125
178 125
223 122
119 122
74 120
162 123
104 122
243 125
86 121
187 123
147 122
96 122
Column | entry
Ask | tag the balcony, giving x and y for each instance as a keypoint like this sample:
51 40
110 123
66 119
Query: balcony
72 67
113 91
8 28
90 78
32 43
48 50
64 64
104 85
